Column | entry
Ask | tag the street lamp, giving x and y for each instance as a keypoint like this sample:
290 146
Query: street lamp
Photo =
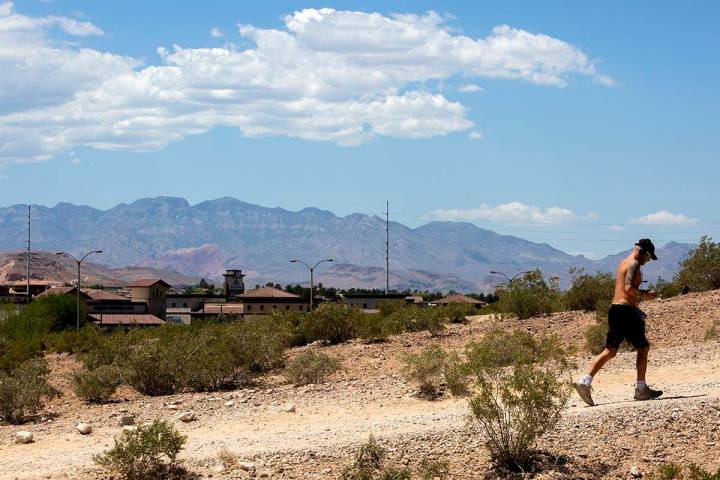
77 286
312 269
513 277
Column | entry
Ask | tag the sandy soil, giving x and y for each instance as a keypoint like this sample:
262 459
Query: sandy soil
370 397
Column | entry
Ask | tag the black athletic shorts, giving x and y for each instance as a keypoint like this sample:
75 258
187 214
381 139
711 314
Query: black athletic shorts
626 322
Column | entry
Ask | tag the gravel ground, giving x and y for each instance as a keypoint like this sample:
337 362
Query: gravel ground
369 397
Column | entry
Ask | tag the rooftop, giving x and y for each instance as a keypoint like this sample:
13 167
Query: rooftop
126 319
268 292
148 282
457 298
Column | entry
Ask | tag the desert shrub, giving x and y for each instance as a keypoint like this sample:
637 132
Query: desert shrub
673 471
455 375
595 336
529 295
426 368
588 292
501 349
412 318
147 452
155 367
666 289
388 307
74 341
369 464
98 385
516 403
21 337
330 323
108 349
431 469
23 389
700 271
371 327
712 333
311 367
457 312
293 322
262 341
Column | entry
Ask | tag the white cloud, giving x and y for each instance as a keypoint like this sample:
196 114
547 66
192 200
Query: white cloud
216 32
475 135
663 217
513 212
75 161
329 75
470 88
616 228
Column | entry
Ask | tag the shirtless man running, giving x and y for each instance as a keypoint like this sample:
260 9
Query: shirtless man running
626 322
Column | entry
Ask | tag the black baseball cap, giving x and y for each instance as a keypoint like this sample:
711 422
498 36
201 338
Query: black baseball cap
647 245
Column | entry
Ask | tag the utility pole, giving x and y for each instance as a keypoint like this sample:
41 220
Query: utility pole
27 265
387 247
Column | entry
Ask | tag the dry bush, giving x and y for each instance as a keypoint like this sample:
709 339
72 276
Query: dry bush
330 323
98 385
148 452
595 336
310 367
371 327
712 333
431 469
520 393
425 368
369 464
23 389
673 471
529 295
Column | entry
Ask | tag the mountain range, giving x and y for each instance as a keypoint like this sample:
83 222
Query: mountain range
203 240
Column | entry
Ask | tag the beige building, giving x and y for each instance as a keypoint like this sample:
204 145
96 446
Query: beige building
265 300
152 291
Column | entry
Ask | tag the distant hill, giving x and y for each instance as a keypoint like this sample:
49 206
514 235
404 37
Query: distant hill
203 240
56 269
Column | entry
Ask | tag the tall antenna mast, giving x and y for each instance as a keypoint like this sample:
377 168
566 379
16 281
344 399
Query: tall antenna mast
27 264
387 247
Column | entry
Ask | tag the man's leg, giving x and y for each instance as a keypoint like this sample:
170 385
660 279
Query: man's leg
602 359
584 384
641 362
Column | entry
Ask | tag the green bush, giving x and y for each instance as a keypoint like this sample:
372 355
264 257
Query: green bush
431 469
155 367
21 338
588 292
310 367
426 368
517 402
529 296
149 452
673 471
595 336
666 289
108 349
701 270
388 307
412 318
23 389
98 385
74 341
457 312
369 464
455 374
260 343
371 327
330 323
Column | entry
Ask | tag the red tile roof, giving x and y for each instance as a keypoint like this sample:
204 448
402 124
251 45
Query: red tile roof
126 319
104 295
268 292
148 282
224 308
460 299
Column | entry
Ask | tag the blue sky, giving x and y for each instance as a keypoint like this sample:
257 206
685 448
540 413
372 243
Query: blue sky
582 126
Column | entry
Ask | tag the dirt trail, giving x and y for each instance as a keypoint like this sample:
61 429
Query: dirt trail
325 427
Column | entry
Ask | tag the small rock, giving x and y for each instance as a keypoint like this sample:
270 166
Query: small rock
129 428
126 420
247 466
186 417
83 428
172 407
635 472
290 408
23 437
218 468
229 403
265 473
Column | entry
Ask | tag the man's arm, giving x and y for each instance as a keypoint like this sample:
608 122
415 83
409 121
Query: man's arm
630 277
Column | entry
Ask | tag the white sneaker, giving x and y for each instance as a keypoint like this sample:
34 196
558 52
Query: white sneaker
585 392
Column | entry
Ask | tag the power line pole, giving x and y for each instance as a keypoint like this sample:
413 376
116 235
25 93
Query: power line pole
27 265
387 247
